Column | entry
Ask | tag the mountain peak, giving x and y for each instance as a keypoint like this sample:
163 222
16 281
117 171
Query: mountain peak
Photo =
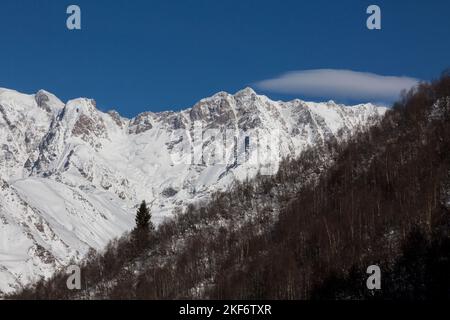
48 101
246 92
43 92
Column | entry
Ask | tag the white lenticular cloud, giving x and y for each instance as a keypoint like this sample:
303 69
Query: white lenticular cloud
344 84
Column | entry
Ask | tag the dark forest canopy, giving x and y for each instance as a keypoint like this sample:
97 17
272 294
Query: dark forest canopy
382 197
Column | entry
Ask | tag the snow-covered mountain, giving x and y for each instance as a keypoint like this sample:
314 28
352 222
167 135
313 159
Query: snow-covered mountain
71 175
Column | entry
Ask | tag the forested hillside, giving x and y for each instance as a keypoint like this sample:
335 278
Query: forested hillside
382 197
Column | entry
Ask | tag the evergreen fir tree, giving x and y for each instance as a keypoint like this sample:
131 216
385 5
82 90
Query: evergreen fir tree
143 218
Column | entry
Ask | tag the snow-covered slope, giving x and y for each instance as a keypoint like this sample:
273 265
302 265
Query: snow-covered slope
71 176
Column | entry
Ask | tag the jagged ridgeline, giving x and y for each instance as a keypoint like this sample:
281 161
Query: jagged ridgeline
310 231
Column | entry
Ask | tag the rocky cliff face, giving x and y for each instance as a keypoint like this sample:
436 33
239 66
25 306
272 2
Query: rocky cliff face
71 176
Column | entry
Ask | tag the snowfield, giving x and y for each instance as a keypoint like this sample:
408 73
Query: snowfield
71 175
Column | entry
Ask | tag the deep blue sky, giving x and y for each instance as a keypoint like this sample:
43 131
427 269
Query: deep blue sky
165 54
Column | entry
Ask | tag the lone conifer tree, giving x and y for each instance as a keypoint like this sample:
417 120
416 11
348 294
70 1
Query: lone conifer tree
143 218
